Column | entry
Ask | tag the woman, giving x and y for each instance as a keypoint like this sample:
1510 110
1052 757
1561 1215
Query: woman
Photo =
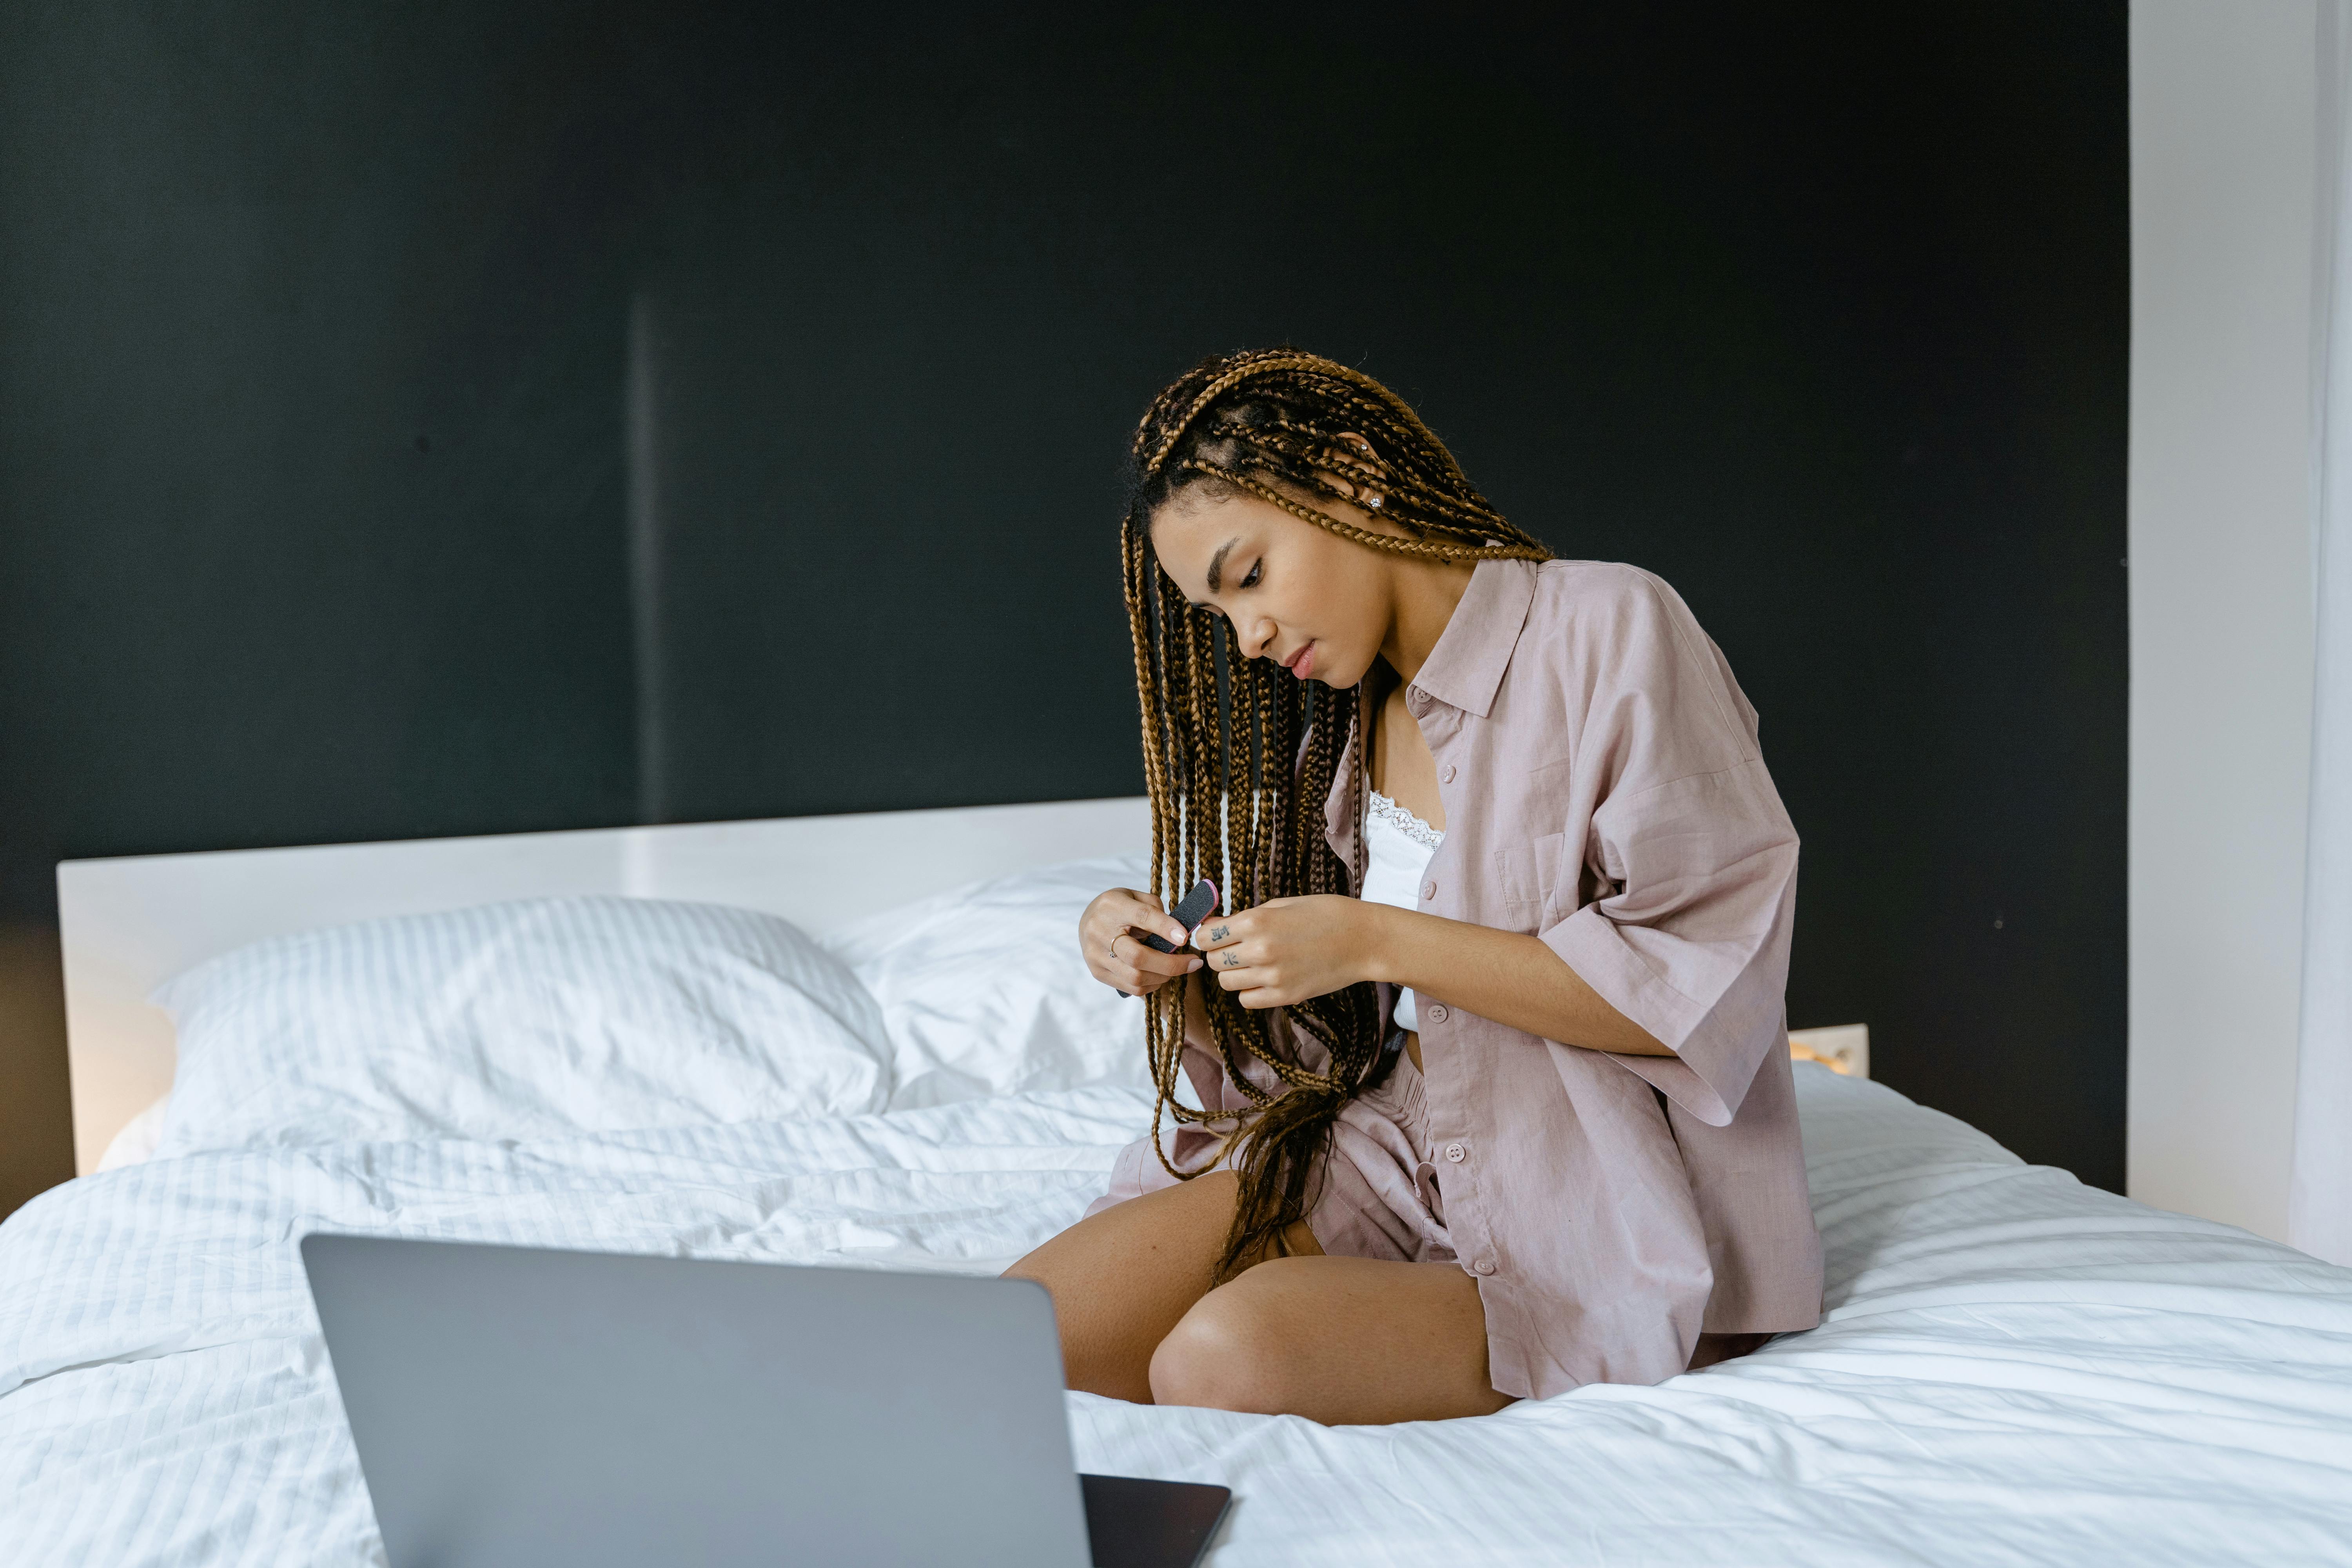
1489 1046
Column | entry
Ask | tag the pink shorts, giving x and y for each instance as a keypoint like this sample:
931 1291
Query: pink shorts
1379 1196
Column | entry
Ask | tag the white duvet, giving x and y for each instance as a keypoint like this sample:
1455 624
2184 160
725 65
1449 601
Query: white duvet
2013 1368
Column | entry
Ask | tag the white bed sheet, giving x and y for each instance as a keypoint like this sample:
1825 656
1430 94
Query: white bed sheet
2014 1369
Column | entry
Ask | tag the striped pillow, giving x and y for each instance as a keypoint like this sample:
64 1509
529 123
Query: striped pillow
536 1019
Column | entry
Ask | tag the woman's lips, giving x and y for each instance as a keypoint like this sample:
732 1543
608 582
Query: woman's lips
1302 663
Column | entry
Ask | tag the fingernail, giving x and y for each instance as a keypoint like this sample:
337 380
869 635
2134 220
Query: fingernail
1196 964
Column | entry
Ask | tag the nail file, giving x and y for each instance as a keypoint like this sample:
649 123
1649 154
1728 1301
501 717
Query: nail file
1189 914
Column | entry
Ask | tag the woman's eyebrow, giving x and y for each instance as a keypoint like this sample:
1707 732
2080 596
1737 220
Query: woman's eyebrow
1217 563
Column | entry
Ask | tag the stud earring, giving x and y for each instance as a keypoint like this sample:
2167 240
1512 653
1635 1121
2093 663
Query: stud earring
1372 501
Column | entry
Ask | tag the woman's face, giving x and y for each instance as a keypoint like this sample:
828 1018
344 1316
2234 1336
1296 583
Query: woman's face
1295 592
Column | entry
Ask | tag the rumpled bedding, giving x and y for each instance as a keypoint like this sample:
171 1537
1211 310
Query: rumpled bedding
2012 1367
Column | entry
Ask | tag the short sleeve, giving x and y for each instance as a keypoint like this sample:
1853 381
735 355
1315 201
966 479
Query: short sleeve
1691 854
1691 938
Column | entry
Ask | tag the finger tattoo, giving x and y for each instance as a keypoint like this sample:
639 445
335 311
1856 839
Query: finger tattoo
1218 934
1233 960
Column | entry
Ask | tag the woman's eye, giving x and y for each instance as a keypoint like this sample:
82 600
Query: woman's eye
1256 569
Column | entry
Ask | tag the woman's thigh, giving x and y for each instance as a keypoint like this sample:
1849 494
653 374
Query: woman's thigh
1122 1278
1337 1340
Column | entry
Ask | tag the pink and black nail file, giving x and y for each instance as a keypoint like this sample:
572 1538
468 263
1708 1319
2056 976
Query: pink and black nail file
1189 914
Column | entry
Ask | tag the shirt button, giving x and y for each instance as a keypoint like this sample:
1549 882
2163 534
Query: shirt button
1484 1266
1429 889
1437 1012
1445 773
1457 1152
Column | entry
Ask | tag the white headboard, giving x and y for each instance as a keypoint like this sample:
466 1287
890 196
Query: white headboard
130 924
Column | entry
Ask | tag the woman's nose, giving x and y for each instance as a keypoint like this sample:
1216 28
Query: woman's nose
1258 638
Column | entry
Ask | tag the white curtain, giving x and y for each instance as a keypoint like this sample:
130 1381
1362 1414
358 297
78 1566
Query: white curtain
2319 1196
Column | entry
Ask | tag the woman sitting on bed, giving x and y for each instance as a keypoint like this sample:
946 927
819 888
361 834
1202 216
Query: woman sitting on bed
1495 1091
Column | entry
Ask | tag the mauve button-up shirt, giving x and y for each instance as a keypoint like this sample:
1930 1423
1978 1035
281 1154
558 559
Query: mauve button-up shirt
1605 792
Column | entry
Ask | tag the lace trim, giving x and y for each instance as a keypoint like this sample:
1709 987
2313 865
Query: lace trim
1380 806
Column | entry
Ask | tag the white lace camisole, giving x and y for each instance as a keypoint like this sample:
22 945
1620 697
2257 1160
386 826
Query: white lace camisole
1397 847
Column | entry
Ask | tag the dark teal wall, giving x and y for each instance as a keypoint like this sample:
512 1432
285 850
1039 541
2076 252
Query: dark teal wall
314 477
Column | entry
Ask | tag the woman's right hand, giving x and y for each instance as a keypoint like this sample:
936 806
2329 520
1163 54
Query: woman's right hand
1117 956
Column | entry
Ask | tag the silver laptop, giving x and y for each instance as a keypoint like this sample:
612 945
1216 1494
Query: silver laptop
519 1406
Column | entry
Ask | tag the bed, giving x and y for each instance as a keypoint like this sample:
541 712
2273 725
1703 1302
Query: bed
2011 1367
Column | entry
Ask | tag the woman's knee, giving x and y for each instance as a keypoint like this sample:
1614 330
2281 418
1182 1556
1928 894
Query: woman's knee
1231 1351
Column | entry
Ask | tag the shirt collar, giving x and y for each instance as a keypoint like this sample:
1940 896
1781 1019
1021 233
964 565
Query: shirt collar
1466 666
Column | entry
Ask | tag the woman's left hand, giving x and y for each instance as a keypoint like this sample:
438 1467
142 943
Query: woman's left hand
1288 949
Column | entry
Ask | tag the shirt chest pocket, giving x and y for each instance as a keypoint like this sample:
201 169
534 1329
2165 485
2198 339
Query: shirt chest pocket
1529 876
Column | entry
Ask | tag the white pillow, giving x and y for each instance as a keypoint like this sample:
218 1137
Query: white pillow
523 1020
983 991
136 1143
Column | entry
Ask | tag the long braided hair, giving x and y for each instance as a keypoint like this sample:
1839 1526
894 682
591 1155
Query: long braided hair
1240 758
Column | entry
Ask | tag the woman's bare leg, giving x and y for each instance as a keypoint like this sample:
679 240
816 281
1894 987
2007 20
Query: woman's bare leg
1122 1278
1337 1340
1334 1339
